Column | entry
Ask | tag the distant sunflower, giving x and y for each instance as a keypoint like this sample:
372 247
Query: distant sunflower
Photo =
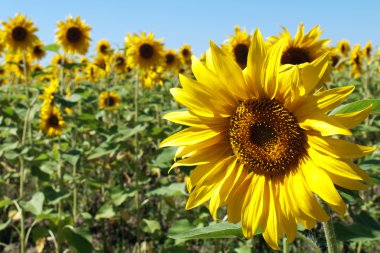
144 51
15 64
58 60
49 92
119 62
238 45
73 35
368 50
103 48
109 100
94 73
335 58
19 33
356 61
304 48
172 61
37 68
152 77
265 145
51 121
101 62
344 47
186 53
37 51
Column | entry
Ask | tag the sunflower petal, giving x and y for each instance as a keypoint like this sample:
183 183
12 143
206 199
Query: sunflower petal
272 66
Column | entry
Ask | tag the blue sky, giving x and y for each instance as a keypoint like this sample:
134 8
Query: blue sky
197 21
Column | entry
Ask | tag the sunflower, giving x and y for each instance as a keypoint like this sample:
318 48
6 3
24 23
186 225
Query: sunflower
185 53
238 45
15 64
73 35
103 48
51 121
119 62
303 48
264 145
152 77
144 51
2 42
49 91
109 100
344 47
37 51
172 61
356 60
37 68
58 60
94 73
368 50
19 33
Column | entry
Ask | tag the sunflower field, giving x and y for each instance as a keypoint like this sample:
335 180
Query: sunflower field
259 145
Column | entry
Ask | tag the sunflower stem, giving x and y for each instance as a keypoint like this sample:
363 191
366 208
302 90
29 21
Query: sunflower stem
310 242
22 228
137 166
328 227
285 245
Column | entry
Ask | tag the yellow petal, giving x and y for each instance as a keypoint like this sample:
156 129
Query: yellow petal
272 66
271 232
320 183
189 119
324 124
236 199
347 183
352 119
338 148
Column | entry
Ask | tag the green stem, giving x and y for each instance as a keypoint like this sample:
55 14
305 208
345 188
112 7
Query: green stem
310 242
22 227
75 194
285 245
56 245
137 166
22 172
328 227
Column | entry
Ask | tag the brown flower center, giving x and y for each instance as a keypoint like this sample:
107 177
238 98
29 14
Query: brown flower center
146 51
266 137
185 52
295 55
104 49
19 33
241 55
37 50
73 34
53 121
169 59
110 101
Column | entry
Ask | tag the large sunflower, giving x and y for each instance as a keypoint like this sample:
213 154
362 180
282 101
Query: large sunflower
19 33
262 141
238 45
303 48
144 51
51 121
73 35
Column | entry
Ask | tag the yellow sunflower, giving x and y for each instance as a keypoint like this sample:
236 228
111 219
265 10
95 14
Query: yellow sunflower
144 51
303 48
265 145
344 47
238 45
37 68
152 77
49 91
51 121
37 51
368 50
58 60
119 62
356 61
73 35
15 64
186 53
94 73
2 42
103 48
109 100
19 33
172 61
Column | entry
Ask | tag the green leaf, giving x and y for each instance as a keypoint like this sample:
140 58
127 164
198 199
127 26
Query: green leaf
370 165
119 195
152 226
39 232
41 175
105 212
357 106
68 102
54 196
174 189
180 226
165 158
5 202
35 204
78 239
72 156
52 48
102 150
217 230
4 225
364 228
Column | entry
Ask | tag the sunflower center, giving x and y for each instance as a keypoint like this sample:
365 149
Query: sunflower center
37 50
169 58
120 61
53 121
295 55
19 33
73 34
146 51
241 54
185 52
110 101
103 49
266 137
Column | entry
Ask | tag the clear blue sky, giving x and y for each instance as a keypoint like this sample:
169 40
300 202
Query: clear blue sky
197 21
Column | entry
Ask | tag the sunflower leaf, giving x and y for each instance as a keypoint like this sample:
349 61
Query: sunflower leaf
52 48
357 106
